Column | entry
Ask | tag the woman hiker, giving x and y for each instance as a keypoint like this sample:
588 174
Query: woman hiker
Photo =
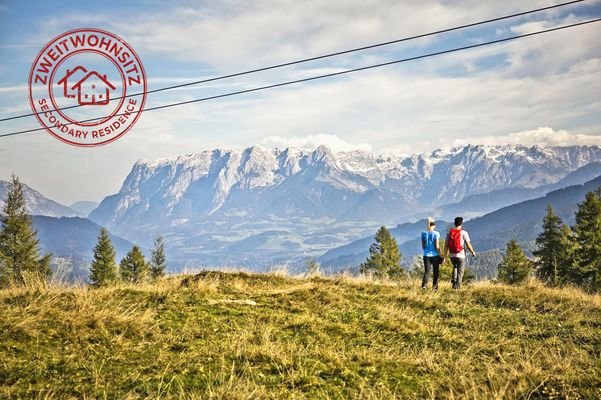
432 256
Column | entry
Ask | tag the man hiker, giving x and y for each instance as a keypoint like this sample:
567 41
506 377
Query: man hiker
457 241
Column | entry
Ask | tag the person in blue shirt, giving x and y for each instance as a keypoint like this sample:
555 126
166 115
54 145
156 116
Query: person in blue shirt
432 254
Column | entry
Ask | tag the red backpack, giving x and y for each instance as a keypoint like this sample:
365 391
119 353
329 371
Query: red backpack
455 245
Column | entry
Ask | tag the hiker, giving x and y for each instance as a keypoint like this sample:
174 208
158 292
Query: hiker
457 241
432 256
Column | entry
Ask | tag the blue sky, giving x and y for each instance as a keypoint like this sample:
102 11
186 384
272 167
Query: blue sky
540 90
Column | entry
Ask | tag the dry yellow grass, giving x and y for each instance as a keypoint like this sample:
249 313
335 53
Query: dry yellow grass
249 336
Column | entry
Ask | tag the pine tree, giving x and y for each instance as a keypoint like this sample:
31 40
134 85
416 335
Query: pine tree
158 260
20 254
515 266
384 259
587 232
103 270
565 265
134 267
552 249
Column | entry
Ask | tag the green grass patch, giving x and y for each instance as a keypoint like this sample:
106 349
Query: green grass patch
240 335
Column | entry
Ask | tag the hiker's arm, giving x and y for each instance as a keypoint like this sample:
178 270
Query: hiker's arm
439 250
471 249
423 243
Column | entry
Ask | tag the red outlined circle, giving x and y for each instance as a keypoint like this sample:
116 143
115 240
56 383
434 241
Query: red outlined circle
73 47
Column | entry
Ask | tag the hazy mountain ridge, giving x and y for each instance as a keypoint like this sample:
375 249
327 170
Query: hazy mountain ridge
38 204
479 204
522 221
73 239
84 207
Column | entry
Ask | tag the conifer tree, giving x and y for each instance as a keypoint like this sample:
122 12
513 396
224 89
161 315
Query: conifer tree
515 266
587 232
384 259
553 244
158 260
566 263
134 268
103 270
20 254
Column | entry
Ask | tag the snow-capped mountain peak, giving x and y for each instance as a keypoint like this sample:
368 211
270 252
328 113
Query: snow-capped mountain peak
216 198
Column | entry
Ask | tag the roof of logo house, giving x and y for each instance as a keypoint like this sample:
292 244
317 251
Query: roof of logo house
65 80
88 76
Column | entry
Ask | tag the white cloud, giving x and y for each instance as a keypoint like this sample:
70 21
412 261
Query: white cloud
312 141
543 136
233 33
15 88
550 80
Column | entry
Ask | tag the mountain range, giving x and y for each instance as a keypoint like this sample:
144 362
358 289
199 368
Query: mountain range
256 206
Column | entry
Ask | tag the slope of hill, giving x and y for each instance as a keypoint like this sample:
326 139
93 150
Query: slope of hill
37 204
235 336
522 221
72 240
479 204
73 236
212 200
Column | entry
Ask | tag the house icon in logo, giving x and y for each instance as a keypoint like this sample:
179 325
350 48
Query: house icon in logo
91 89
73 75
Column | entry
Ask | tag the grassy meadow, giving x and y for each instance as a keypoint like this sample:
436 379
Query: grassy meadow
238 335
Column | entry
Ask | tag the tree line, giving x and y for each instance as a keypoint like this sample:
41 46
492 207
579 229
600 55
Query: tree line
133 268
20 257
563 255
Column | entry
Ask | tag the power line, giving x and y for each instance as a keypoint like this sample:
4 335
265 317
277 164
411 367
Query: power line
304 60
330 74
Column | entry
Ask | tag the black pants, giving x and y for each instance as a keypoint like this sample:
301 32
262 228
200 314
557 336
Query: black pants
458 266
434 264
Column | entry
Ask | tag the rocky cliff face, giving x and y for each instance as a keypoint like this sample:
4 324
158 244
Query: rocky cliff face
227 196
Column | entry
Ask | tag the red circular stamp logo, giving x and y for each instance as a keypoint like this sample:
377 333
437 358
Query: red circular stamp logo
87 87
